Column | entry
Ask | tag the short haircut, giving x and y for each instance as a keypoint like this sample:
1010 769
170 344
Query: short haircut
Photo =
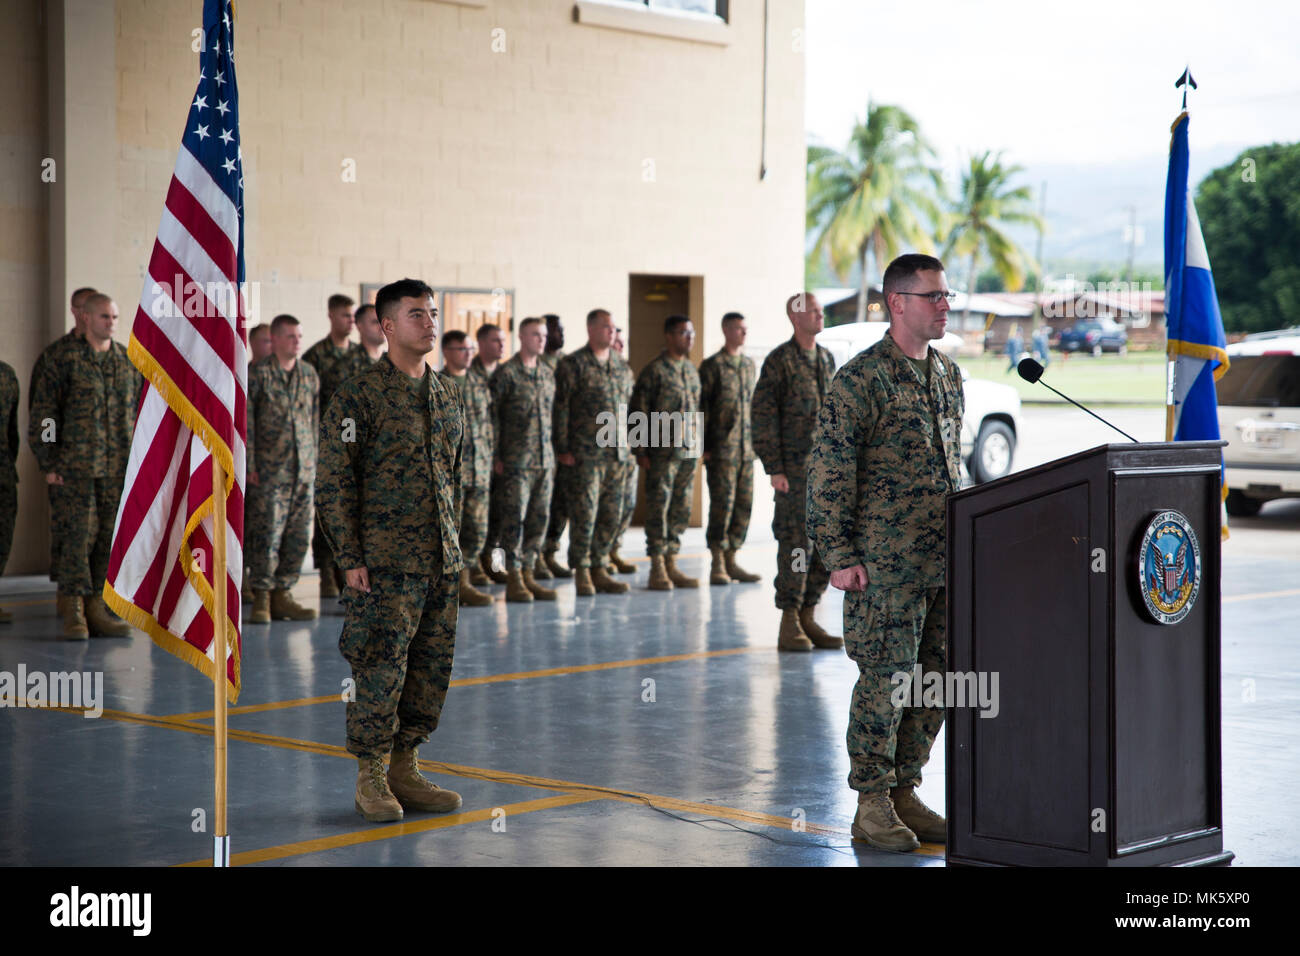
674 322
551 318
798 299
898 276
732 317
281 321
486 329
81 294
260 327
338 300
453 337
394 292
363 308
594 315
531 320
94 299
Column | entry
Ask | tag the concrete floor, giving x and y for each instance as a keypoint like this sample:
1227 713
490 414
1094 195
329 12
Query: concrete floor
550 737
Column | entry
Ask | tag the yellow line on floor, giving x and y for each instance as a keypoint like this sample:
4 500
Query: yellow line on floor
498 776
404 828
1261 596
489 679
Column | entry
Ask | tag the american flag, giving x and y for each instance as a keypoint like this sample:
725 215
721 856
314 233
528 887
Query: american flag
190 343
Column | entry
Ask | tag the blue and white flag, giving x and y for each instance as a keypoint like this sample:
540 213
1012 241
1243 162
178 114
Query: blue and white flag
1197 347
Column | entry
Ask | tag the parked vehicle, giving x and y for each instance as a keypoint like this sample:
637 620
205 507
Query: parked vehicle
1259 416
1095 336
992 421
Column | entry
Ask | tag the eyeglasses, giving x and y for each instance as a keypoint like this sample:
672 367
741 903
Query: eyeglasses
933 297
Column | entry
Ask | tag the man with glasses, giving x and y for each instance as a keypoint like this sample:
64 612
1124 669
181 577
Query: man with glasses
886 454
475 456
791 386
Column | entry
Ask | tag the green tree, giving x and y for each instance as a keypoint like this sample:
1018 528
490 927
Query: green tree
1250 217
870 198
988 202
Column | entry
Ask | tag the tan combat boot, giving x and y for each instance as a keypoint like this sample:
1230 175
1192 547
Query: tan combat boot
485 563
621 566
285 608
718 573
100 621
539 592
515 588
816 633
607 585
540 571
261 608
736 572
476 576
679 580
877 823
582 581
469 597
329 587
659 580
791 636
919 818
374 800
413 791
557 569
74 618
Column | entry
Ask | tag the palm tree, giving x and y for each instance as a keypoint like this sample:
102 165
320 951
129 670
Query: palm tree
987 203
867 198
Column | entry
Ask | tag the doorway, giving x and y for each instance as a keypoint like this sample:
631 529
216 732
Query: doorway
650 300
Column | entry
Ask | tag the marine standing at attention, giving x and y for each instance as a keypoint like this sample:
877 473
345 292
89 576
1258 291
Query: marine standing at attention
886 455
389 484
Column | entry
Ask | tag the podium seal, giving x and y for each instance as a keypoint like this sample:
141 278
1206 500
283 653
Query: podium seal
1169 568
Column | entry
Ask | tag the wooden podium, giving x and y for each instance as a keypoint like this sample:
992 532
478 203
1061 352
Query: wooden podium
1105 748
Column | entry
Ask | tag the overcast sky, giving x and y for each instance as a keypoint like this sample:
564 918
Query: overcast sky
1053 82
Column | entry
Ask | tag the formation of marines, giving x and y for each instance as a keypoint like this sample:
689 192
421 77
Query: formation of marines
406 482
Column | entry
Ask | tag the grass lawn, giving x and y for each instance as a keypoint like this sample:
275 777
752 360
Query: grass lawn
1138 378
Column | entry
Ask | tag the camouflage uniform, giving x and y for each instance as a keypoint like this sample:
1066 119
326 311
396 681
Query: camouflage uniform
494 488
476 459
9 393
586 389
726 390
667 385
282 426
790 389
333 365
630 475
523 402
390 501
50 355
563 487
886 455
82 416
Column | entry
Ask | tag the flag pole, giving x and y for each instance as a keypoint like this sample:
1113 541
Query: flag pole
221 838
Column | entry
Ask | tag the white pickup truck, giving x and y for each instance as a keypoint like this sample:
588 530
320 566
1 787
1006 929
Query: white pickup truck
992 421
1259 415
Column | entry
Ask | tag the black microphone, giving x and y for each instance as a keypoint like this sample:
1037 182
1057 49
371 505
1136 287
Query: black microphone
1031 372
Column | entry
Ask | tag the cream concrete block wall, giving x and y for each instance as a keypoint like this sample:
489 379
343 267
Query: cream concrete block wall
498 145
501 145
24 210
